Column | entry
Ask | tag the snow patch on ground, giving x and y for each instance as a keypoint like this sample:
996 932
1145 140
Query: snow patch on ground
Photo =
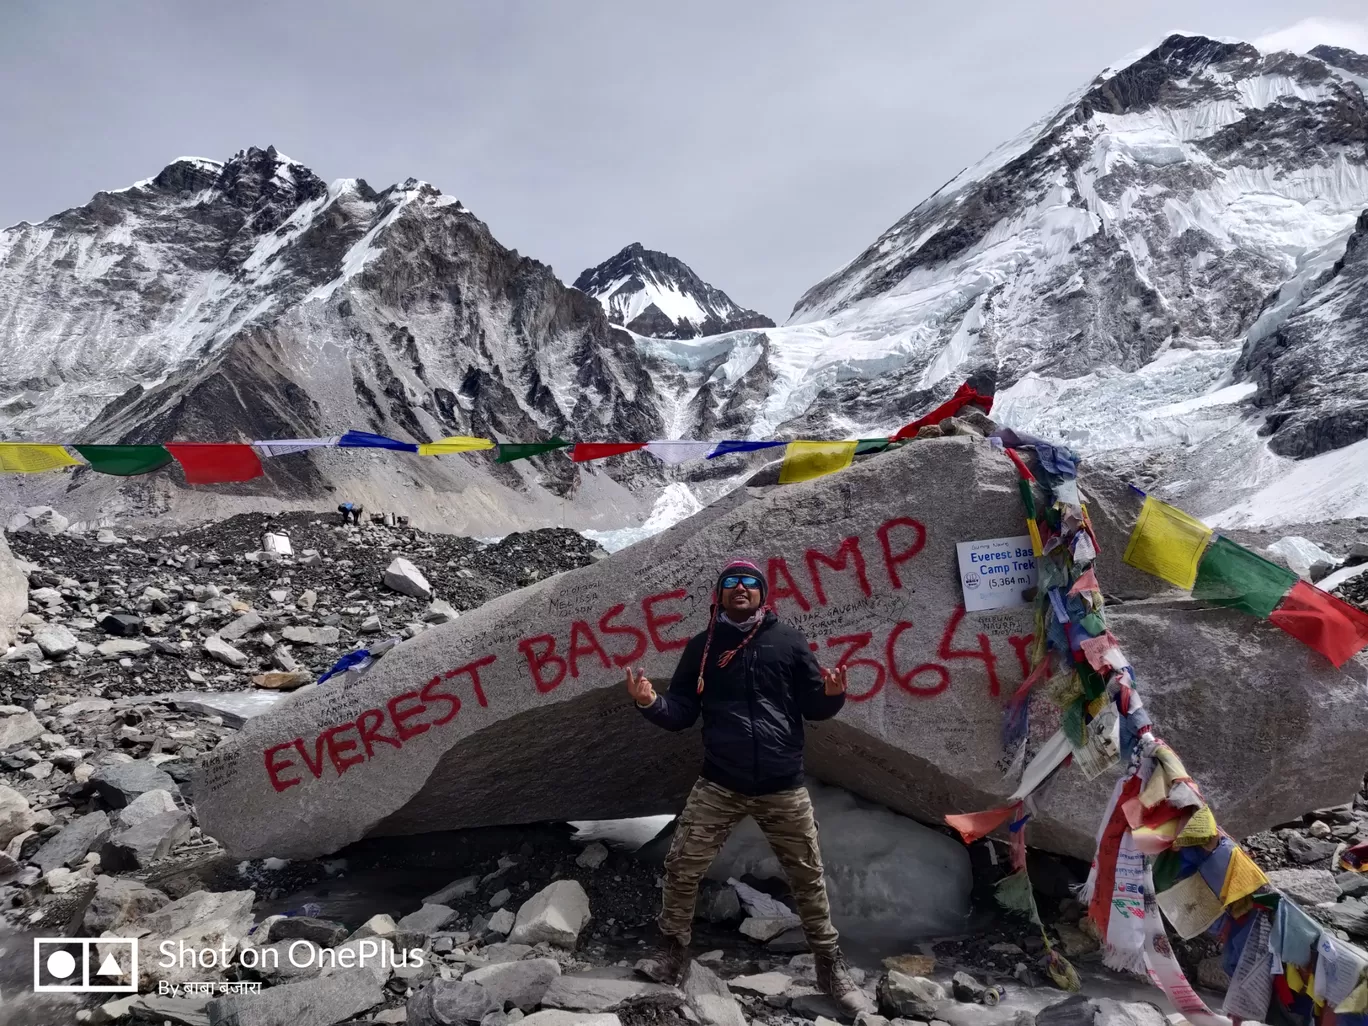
1301 553
1332 581
1331 486
624 834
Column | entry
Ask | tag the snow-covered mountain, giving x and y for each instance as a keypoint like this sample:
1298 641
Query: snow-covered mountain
250 299
654 294
1109 265
1311 365
1167 272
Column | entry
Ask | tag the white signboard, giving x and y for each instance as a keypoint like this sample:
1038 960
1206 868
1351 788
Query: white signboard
996 573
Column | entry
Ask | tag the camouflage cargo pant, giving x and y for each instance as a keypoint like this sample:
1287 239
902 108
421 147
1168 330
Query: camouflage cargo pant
787 822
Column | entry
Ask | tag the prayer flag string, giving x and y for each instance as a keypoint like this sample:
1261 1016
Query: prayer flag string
1160 853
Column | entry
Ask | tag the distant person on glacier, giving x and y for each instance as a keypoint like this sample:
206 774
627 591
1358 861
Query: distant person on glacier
351 513
754 680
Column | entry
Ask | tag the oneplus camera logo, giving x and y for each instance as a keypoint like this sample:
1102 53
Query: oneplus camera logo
85 965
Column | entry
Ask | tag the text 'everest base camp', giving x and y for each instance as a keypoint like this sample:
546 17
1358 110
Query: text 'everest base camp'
384 760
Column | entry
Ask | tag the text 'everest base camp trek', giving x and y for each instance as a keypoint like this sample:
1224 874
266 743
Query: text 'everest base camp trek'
1076 756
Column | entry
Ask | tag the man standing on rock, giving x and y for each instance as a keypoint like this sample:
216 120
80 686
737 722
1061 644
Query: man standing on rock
754 679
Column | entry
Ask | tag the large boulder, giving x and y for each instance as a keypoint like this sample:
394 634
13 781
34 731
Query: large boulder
17 725
608 990
199 920
554 915
13 595
15 814
145 842
70 845
118 901
444 1002
516 712
122 783
319 1002
55 641
520 983
709 997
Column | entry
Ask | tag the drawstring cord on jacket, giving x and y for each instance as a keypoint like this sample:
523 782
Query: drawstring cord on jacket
727 656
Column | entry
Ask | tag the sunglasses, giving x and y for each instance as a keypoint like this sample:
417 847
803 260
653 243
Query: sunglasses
732 580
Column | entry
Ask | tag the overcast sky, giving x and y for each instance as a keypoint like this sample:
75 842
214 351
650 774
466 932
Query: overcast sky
763 143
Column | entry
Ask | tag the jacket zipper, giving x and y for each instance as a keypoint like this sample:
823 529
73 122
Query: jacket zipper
750 701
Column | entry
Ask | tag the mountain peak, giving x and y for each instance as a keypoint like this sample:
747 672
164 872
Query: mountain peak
1346 60
655 294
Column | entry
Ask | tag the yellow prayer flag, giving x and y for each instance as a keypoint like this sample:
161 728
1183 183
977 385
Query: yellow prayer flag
1199 830
27 458
1242 877
456 443
805 460
1168 770
1034 532
1296 982
1167 543
1357 1001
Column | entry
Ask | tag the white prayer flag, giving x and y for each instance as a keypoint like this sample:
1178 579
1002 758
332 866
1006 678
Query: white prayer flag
679 451
285 446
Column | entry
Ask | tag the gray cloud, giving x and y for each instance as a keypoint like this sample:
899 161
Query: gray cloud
763 143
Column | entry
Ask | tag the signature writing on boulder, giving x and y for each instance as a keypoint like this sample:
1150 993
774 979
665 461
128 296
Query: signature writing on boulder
617 638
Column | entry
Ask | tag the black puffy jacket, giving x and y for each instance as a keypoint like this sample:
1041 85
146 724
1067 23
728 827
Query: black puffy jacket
753 708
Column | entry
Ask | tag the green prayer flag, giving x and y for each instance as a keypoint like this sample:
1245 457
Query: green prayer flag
865 445
1230 575
1072 724
1168 866
1094 684
1027 498
124 460
1093 623
1014 892
508 452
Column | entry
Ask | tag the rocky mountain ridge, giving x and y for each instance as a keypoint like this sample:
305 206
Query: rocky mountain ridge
249 300
1312 368
652 293
1108 265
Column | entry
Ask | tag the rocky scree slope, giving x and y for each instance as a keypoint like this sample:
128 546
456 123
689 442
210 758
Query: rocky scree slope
652 293
170 596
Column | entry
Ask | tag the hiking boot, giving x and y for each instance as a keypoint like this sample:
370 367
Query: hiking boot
834 979
668 965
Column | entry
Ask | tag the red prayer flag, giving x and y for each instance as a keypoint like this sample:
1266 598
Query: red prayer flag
1316 618
963 396
1108 849
211 463
973 825
600 450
